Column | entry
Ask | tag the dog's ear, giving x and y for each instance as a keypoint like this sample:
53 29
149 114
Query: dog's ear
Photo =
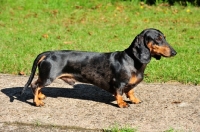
140 49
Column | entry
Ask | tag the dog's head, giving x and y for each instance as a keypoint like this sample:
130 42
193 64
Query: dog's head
150 43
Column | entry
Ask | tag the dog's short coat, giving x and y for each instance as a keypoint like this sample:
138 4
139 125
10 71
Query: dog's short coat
116 72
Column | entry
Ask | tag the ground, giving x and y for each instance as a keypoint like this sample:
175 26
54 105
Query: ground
86 107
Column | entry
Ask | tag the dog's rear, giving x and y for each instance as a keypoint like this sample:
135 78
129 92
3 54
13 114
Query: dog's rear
34 67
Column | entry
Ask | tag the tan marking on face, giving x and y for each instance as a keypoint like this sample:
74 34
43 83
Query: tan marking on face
159 50
149 45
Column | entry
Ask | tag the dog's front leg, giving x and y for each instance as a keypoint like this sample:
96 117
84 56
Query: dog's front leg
120 101
131 96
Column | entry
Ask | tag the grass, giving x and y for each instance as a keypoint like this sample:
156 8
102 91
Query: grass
31 27
170 130
116 128
38 126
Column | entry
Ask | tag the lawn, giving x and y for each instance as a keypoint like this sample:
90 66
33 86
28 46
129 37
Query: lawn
31 27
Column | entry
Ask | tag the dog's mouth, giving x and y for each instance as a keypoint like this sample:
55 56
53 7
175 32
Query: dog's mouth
158 57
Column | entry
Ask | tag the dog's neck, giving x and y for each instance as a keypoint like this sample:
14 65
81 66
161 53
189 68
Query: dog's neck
137 63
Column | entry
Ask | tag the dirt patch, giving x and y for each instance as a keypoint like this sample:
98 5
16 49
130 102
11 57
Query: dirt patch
164 106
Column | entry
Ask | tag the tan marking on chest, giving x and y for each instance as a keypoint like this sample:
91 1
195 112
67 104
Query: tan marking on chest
138 76
133 79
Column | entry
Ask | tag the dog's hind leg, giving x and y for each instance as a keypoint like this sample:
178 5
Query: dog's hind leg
33 88
36 99
41 96
38 96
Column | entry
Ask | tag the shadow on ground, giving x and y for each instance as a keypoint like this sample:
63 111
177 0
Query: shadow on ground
80 91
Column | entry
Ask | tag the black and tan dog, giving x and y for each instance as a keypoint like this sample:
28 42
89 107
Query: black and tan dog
116 72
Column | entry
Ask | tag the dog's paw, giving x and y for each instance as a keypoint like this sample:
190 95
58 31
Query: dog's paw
39 103
41 96
123 105
136 101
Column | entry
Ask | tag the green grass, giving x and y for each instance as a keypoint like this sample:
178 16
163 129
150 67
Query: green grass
116 128
31 27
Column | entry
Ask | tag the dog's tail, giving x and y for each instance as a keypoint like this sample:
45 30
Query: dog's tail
38 59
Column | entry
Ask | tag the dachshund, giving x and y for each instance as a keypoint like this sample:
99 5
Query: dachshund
116 72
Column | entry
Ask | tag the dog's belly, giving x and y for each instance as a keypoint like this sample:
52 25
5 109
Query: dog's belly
95 79
70 81
89 77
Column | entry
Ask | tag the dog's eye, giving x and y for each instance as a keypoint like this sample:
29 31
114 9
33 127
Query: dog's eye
159 38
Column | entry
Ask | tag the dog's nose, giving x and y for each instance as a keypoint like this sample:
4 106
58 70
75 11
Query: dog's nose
173 52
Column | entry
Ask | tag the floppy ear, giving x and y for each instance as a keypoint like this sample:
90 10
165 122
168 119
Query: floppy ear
140 50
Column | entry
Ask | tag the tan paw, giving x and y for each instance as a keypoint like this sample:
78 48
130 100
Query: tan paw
39 103
41 96
123 104
135 101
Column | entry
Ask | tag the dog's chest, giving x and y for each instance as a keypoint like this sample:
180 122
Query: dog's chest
135 79
137 76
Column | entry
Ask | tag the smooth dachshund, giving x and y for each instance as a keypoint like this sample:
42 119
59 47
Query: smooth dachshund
116 72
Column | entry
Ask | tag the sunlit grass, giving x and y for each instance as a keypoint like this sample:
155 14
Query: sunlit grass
117 128
31 27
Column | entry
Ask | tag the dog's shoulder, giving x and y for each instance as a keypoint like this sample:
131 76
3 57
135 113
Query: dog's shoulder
122 61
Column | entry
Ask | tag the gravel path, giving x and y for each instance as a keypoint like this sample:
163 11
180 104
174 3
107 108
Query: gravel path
85 106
